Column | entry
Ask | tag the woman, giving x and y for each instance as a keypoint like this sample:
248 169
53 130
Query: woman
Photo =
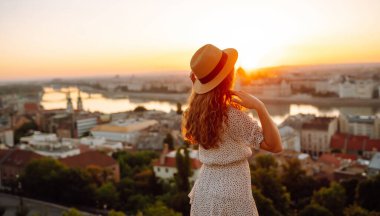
224 133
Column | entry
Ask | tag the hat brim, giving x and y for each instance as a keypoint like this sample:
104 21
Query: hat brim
200 88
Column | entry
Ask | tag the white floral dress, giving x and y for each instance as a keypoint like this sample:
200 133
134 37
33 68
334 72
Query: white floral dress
223 187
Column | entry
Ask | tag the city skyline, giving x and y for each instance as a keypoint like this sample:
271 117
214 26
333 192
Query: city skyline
41 38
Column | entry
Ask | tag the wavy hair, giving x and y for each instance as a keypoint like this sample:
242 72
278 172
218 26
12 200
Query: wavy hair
203 120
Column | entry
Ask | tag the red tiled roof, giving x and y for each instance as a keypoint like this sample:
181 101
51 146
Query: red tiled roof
356 142
90 158
329 159
17 157
337 141
372 145
318 123
83 148
31 107
171 162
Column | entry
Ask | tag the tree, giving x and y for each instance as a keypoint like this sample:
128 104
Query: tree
263 204
315 210
140 109
181 200
299 185
179 108
264 177
107 194
350 186
183 170
355 210
170 141
46 172
368 193
160 209
77 187
265 161
332 198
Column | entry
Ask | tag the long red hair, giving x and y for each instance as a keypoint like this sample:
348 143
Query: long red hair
202 122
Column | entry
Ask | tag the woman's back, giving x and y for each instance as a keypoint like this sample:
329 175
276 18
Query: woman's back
240 133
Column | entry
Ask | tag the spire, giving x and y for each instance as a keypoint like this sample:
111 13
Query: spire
79 102
69 107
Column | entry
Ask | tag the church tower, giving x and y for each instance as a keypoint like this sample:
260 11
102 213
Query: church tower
79 102
69 107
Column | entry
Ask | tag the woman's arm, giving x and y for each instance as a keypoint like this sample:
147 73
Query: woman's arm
272 139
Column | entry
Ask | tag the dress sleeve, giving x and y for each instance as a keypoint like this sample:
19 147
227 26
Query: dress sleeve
247 129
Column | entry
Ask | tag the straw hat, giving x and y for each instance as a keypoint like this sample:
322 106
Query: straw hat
210 65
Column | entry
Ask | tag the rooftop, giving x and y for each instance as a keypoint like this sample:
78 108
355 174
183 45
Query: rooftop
89 158
318 123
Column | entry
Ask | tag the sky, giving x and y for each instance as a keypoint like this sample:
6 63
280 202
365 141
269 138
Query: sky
53 38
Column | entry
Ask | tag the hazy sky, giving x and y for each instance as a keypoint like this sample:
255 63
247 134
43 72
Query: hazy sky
40 38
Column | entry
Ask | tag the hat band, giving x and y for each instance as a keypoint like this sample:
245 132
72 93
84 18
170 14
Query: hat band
216 70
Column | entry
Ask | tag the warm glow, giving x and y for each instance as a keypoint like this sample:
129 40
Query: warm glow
44 38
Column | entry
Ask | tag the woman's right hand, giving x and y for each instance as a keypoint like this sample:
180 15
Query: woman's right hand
247 100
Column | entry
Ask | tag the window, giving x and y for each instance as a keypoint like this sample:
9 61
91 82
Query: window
158 169
166 170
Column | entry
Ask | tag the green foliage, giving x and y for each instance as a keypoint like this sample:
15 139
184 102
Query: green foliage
183 170
160 209
107 194
315 210
179 108
140 109
46 172
350 186
180 201
355 210
265 178
264 205
169 140
332 198
77 186
368 193
299 185
140 161
265 161
115 213
137 202
72 212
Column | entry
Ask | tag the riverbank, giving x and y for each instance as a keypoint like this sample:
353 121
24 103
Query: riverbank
182 98
322 101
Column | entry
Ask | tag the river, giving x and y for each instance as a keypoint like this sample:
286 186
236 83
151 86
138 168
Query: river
56 98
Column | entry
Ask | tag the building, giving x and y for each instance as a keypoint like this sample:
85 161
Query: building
374 165
50 145
6 136
123 130
274 88
84 123
360 125
359 88
165 167
316 135
361 146
101 143
13 163
94 159
290 138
